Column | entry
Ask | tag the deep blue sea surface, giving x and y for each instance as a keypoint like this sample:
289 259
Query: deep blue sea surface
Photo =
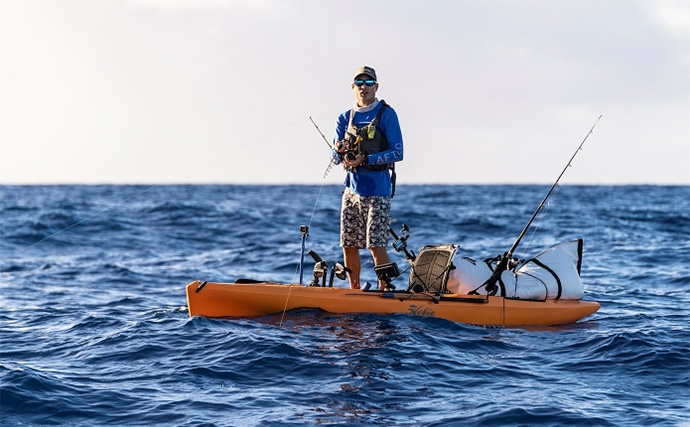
94 328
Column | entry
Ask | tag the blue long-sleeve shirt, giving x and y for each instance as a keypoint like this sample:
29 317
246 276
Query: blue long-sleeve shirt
361 180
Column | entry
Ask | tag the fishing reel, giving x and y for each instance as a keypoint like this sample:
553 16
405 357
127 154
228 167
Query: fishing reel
400 242
349 147
505 262
501 263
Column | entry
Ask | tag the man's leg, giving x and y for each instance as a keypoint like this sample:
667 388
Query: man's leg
378 224
353 262
380 256
352 235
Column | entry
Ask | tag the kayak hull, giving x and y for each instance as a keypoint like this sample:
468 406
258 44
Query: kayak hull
210 299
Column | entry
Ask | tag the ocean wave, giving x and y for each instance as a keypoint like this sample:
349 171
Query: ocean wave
94 328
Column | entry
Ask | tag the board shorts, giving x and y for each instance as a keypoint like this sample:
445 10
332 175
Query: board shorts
364 220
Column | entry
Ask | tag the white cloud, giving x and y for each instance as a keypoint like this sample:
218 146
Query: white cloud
675 15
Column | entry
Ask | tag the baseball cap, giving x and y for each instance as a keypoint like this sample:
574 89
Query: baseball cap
365 70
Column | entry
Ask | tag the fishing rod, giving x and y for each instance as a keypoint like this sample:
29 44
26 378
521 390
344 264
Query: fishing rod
490 284
331 163
322 135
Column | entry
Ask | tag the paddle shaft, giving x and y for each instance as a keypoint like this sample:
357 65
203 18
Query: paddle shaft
503 263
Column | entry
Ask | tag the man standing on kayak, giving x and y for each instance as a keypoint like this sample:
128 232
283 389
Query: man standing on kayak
368 142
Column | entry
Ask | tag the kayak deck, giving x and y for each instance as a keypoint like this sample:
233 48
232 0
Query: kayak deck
210 299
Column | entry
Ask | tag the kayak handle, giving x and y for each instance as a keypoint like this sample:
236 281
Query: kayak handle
201 286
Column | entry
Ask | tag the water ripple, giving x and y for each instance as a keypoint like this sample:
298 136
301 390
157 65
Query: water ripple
94 328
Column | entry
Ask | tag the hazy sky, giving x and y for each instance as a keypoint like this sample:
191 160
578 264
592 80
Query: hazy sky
220 91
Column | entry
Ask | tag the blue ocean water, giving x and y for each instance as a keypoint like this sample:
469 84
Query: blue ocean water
94 328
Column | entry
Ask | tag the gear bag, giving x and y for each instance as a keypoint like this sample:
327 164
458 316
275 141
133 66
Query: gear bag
553 274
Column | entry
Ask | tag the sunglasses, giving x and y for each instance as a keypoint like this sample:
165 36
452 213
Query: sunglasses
365 82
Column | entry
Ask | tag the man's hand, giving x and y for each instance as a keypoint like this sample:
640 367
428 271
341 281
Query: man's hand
358 161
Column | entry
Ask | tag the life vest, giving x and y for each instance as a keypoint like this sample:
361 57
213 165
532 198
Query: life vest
368 139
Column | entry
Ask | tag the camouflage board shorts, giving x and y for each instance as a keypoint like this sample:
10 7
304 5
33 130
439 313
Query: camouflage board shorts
364 220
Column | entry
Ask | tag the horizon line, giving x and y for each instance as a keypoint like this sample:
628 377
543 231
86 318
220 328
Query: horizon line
215 183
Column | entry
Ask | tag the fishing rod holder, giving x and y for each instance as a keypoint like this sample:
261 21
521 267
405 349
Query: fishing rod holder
304 231
320 270
340 271
400 242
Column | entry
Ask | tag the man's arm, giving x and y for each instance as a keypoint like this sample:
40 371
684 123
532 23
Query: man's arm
391 128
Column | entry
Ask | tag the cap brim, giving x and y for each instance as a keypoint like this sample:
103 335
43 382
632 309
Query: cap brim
363 74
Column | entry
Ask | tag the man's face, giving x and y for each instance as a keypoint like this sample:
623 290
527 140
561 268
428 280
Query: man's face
365 94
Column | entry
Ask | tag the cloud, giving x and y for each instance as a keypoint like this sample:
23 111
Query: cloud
674 15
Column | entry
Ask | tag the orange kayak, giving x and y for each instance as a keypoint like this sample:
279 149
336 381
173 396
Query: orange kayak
257 299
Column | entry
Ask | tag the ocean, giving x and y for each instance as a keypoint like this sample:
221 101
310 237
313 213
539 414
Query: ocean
94 328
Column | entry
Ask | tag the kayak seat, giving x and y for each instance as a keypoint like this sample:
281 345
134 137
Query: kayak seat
431 268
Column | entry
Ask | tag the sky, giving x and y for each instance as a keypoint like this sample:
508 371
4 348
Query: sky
221 91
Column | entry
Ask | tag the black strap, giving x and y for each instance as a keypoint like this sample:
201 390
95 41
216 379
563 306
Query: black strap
377 119
553 273
393 177
579 256
392 165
